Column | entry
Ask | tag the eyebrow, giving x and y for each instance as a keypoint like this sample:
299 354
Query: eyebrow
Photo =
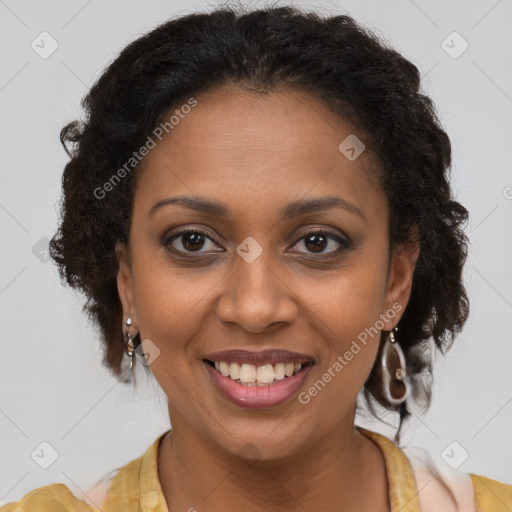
294 209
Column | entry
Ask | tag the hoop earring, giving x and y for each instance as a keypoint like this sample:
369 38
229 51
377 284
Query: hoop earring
396 384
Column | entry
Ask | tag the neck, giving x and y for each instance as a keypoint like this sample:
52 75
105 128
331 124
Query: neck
332 474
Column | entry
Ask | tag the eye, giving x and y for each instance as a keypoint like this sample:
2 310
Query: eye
192 240
318 241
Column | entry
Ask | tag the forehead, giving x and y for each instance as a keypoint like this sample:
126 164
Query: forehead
256 151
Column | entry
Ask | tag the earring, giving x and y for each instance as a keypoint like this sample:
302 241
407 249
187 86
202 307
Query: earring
130 347
396 381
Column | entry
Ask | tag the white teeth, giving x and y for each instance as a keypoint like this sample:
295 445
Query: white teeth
251 375
224 368
265 374
234 371
279 371
247 373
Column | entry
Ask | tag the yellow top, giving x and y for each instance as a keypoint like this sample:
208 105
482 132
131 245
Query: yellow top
136 488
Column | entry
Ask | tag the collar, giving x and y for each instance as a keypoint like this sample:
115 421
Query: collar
136 487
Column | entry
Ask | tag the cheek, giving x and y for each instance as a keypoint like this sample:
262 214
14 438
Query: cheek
171 302
351 300
166 308
349 312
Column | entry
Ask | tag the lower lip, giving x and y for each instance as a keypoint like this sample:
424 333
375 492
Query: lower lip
255 397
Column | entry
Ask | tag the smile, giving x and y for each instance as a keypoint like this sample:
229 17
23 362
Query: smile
252 375
258 379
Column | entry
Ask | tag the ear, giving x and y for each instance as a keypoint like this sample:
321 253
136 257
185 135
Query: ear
401 271
125 281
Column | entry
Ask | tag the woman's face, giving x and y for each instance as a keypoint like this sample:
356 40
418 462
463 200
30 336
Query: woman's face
265 275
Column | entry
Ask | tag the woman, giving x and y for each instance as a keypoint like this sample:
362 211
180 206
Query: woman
258 207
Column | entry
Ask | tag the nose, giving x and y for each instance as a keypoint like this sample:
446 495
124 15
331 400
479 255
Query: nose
256 296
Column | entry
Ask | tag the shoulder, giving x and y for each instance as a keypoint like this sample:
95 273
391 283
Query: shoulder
118 490
436 485
456 489
49 498
491 495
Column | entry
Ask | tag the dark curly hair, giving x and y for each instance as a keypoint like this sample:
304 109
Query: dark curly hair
352 71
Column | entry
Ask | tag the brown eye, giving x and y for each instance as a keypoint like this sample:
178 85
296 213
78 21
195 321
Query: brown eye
317 242
192 240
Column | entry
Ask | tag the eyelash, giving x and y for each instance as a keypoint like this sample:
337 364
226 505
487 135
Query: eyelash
344 244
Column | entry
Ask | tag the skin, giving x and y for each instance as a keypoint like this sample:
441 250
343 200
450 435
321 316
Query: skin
255 153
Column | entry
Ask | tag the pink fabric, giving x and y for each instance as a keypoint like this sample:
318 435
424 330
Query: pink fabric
440 488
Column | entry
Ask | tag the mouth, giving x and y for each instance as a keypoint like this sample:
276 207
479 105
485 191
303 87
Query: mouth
260 376
258 379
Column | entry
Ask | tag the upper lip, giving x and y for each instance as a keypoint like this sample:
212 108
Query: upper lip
270 356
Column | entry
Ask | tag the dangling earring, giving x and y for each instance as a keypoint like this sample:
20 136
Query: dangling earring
130 346
396 384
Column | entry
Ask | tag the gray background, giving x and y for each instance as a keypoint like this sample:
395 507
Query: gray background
54 388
